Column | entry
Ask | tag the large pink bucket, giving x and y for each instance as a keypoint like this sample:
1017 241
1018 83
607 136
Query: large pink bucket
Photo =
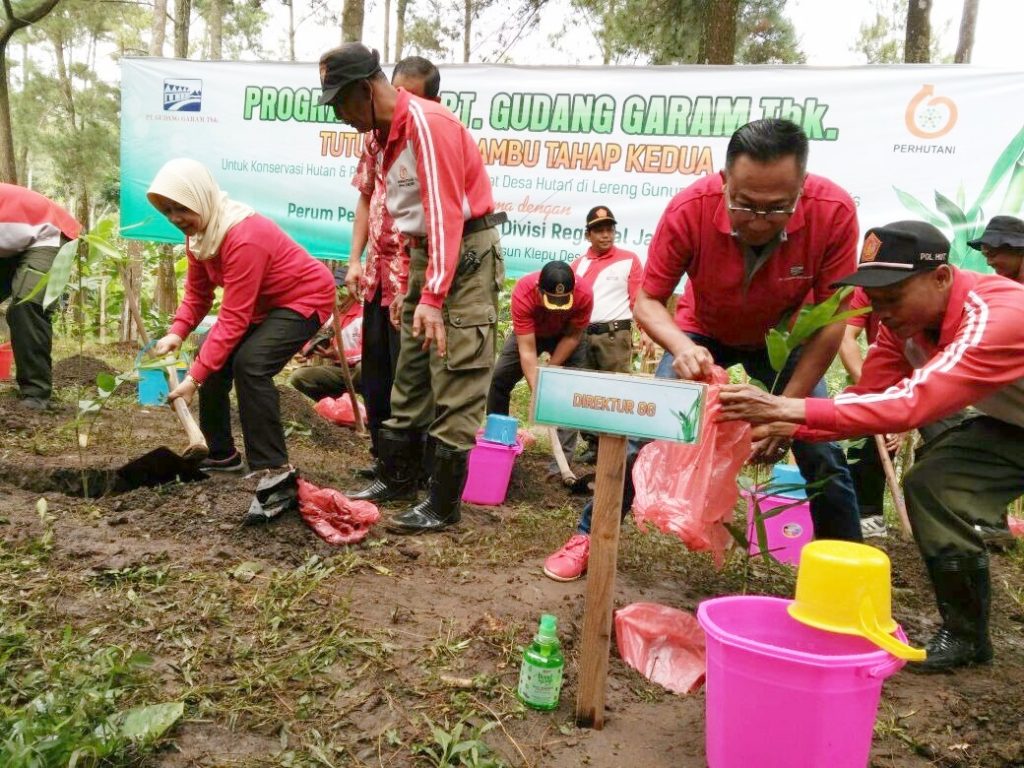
780 694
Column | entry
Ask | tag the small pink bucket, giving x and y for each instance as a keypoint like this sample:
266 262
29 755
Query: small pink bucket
490 470
6 358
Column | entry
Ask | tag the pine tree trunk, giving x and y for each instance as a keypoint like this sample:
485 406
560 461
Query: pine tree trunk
131 279
968 22
352 14
158 29
215 24
400 7
387 30
182 16
467 28
166 294
718 37
918 42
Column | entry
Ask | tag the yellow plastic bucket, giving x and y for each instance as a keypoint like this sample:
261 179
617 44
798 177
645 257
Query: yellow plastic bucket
846 588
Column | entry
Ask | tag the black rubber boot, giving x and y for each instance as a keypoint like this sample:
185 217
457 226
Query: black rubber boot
442 507
373 471
427 466
399 459
963 589
275 494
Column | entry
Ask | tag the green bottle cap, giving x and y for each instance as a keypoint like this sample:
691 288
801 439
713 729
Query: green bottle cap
548 629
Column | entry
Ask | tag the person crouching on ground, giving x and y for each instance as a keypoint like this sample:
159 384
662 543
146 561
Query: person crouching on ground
949 339
275 298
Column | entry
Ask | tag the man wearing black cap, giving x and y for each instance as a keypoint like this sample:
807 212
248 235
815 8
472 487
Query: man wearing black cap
440 197
1002 244
613 275
949 339
550 312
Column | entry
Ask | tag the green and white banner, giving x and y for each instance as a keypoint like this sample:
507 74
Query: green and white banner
940 143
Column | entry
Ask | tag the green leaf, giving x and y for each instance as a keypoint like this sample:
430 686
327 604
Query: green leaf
103 245
951 210
918 208
60 273
778 349
106 382
144 725
1004 163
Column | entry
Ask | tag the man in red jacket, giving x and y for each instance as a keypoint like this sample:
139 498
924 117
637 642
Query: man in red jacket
949 339
440 197
32 229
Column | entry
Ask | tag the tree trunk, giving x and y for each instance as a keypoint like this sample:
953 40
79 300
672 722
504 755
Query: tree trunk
400 7
131 279
918 42
387 30
352 14
215 24
182 15
968 21
718 35
291 30
158 30
11 24
467 28
166 294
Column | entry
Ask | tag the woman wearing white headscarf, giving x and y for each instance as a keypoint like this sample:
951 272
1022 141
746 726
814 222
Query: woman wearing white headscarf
275 298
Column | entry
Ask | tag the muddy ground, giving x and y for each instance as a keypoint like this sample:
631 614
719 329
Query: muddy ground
287 651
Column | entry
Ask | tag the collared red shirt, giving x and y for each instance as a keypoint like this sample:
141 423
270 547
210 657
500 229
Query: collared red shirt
529 315
29 219
384 243
614 278
694 237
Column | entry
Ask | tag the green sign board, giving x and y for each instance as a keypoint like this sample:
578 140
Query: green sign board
620 404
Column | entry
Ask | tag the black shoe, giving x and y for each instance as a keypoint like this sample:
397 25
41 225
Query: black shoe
399 455
371 472
443 506
35 403
232 463
963 588
275 494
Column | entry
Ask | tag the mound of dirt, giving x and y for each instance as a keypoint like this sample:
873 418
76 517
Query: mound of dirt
298 409
79 371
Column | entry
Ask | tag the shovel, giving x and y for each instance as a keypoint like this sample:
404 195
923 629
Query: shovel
162 465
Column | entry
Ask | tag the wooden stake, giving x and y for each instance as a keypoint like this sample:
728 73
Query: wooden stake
604 551
894 485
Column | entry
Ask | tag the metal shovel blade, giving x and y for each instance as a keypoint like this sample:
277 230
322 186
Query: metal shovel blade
158 467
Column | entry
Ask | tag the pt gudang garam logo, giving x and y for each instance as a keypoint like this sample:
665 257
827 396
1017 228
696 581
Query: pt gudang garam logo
929 116
181 95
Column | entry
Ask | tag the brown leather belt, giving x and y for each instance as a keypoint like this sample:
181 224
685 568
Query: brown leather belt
610 327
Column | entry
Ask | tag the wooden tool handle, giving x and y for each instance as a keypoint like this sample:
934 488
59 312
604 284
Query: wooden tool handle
894 486
556 450
197 448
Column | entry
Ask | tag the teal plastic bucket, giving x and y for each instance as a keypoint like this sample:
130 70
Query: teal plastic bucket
153 381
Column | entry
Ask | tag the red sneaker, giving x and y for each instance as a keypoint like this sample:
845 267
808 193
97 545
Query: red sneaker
570 562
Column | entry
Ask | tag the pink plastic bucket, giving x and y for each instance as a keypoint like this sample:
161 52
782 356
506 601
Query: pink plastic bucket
490 469
780 694
6 358
787 532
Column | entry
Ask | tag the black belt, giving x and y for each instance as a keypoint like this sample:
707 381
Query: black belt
486 221
610 327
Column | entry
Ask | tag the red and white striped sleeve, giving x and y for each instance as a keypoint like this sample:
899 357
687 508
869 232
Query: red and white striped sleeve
985 355
437 144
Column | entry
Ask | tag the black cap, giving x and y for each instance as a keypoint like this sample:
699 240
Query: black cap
556 285
1001 232
897 251
600 214
346 64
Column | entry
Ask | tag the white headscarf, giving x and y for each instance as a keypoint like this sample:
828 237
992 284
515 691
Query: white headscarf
190 183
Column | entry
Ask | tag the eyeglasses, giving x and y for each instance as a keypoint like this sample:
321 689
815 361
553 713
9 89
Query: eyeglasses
773 215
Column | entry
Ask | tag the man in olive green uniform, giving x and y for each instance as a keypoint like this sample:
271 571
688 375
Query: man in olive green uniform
440 197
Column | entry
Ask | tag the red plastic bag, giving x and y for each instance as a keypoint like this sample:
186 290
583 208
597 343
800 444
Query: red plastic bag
690 490
1016 526
334 517
663 644
339 410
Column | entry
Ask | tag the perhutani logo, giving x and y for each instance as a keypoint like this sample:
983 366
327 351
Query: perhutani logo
928 117
183 95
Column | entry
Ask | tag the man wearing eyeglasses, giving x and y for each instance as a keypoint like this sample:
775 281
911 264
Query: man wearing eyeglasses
755 243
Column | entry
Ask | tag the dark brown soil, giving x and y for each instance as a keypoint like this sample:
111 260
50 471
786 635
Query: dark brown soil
450 611
79 371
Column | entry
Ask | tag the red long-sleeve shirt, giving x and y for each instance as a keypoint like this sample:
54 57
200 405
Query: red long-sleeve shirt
29 219
260 269
614 277
436 181
978 360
